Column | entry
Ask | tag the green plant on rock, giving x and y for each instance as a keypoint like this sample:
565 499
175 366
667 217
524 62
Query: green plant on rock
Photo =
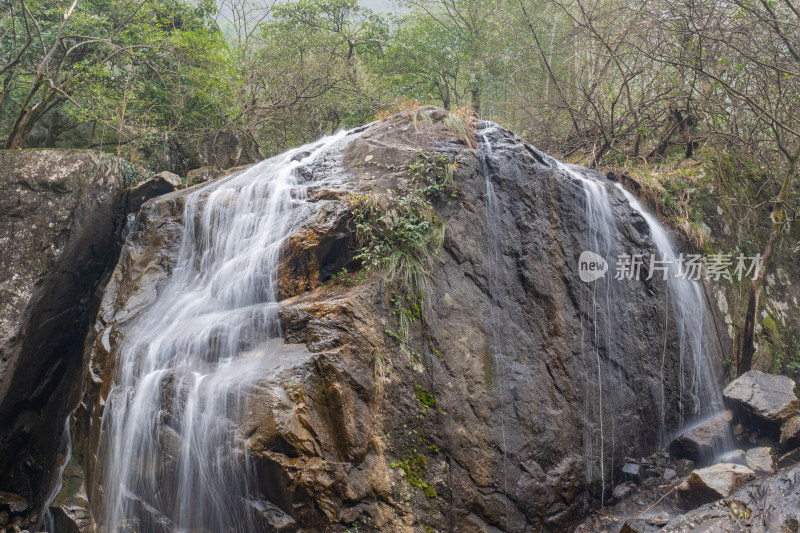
415 468
425 398
399 235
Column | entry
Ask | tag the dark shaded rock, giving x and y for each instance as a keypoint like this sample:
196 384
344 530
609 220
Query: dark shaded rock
13 503
790 433
640 526
684 467
789 458
713 482
760 460
703 441
622 491
273 515
60 215
766 399
161 183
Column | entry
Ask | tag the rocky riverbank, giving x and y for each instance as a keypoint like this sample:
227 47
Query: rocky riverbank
738 471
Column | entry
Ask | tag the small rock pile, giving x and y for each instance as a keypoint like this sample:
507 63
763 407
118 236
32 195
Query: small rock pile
762 424
741 455
13 512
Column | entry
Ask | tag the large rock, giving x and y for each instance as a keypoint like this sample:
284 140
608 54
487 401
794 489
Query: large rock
767 505
704 441
765 399
760 460
714 482
342 432
160 184
60 214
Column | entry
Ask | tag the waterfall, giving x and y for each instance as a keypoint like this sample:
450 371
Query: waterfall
173 457
66 450
693 324
493 239
684 306
601 238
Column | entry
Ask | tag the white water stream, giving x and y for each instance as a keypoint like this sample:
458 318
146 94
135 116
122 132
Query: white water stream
174 459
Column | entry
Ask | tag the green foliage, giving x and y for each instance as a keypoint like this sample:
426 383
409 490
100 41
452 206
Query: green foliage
399 237
120 71
415 467
425 398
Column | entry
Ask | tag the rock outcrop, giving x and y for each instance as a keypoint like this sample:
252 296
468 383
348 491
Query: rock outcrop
351 429
770 504
162 183
60 214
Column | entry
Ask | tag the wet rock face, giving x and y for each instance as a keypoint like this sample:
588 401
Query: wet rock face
765 400
489 423
59 221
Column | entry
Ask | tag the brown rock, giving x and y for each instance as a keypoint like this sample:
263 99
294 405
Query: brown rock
760 460
341 403
714 482
13 503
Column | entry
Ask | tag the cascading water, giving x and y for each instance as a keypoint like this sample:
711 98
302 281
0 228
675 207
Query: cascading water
174 459
684 302
493 238
601 238
66 451
693 325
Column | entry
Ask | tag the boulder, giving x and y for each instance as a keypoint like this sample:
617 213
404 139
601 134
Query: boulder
713 482
765 399
59 231
327 424
162 183
631 471
768 505
760 460
703 441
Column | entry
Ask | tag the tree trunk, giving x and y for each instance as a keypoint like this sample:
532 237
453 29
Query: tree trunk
778 221
476 99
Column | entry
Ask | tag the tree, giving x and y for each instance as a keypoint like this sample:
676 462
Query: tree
126 65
